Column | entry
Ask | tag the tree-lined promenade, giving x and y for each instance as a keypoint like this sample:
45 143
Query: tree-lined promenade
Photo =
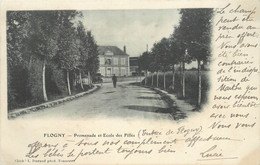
190 40
48 52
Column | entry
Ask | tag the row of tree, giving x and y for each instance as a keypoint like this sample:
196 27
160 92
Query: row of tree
190 40
43 49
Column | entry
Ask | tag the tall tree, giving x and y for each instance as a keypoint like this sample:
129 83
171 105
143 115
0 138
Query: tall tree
36 39
180 47
144 62
176 51
43 40
92 62
17 33
197 36
67 56
162 53
83 50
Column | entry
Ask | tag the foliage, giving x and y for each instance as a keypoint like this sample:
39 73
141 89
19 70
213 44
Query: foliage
190 40
196 34
193 34
44 38
88 50
17 32
145 61
162 54
83 46
67 54
92 49
178 47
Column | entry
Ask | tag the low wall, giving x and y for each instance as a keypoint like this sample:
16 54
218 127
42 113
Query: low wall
121 79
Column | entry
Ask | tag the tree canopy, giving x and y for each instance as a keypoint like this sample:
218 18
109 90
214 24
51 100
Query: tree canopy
195 31
41 45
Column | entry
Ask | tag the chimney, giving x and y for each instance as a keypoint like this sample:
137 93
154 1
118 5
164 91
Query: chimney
124 49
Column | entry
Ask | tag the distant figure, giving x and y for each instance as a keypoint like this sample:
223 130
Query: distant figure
114 79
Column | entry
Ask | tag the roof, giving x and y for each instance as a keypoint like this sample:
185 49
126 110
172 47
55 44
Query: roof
134 58
114 49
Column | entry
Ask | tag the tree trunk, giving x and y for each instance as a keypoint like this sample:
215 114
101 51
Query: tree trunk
75 79
152 79
30 62
164 81
80 80
181 72
157 79
43 81
89 79
146 77
183 79
28 86
68 82
173 77
199 83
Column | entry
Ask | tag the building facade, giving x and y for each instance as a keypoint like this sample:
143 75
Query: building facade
113 60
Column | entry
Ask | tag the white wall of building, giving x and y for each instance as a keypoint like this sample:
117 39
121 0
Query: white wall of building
119 65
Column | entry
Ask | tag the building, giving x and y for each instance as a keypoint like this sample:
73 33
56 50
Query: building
134 66
113 60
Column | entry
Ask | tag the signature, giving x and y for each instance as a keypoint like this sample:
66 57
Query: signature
211 153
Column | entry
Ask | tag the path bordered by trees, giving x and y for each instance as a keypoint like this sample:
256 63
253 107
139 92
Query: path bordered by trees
190 40
48 52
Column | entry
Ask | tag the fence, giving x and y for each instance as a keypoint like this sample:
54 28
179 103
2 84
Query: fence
191 84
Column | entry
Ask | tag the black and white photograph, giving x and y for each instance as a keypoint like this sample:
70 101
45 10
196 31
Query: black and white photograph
129 82
146 64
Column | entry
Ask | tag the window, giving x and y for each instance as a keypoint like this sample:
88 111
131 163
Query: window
102 61
109 71
115 61
102 71
108 62
122 61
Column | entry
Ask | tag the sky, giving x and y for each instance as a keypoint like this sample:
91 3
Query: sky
132 28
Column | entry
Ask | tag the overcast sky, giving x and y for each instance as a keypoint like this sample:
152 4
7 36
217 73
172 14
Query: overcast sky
133 28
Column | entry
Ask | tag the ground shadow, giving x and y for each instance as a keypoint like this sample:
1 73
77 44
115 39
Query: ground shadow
149 98
139 89
146 108
135 83
147 92
109 92
173 111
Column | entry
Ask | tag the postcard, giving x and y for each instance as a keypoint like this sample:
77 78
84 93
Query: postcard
129 82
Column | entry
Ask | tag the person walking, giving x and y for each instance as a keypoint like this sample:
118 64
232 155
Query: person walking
114 79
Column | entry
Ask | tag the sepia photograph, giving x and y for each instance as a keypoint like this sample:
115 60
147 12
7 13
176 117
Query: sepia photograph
129 82
150 64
